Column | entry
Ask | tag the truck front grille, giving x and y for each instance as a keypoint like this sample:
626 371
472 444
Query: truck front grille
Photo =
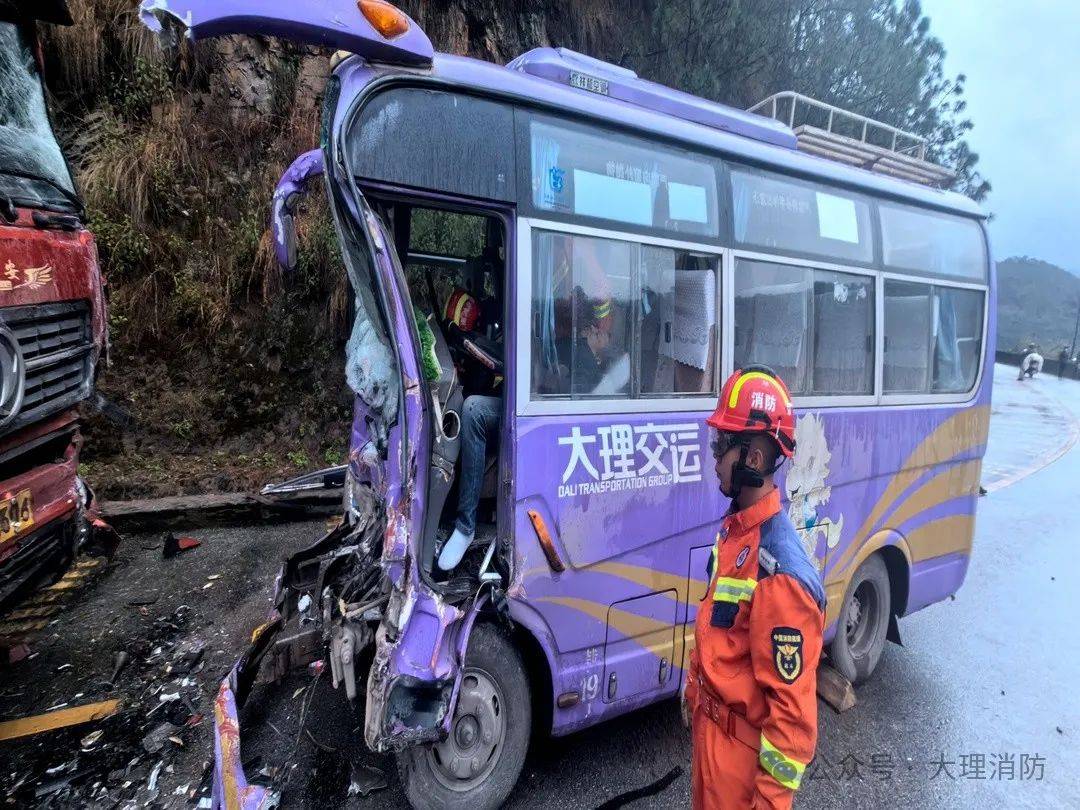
57 347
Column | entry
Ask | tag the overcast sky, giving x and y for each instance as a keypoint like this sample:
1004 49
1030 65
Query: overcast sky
1022 61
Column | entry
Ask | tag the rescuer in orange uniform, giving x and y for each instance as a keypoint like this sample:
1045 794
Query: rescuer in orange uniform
753 674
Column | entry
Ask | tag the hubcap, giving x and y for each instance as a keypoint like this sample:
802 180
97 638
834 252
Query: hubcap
471 750
861 618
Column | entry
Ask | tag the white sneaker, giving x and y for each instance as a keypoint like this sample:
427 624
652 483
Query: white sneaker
454 550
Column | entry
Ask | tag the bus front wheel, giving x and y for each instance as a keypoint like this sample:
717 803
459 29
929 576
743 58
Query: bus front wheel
863 622
476 766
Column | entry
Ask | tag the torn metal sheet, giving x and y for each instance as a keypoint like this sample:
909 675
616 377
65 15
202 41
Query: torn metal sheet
290 188
334 24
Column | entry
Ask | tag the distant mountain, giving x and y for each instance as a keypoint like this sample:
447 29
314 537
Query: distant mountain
1037 301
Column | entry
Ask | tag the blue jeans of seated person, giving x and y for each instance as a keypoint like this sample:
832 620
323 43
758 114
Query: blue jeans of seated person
480 420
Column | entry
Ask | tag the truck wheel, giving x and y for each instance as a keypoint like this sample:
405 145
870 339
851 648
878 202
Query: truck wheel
479 762
863 622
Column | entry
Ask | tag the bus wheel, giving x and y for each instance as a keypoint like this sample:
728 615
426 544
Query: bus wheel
478 763
863 622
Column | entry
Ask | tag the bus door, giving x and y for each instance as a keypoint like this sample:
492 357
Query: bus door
393 453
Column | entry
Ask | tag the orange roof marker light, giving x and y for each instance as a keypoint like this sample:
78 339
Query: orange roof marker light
388 20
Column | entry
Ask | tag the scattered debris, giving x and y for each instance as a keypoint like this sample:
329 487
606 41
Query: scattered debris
120 660
177 544
155 740
140 601
365 780
91 739
187 659
151 784
16 653
48 721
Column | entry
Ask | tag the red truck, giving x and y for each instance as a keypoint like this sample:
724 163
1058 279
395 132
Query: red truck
52 317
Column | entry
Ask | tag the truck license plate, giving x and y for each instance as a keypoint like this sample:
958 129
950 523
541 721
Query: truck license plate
16 514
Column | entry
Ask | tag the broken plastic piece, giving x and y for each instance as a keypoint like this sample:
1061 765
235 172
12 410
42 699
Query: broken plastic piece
175 545
154 741
365 780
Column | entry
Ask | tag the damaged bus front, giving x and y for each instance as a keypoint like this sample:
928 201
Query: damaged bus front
360 594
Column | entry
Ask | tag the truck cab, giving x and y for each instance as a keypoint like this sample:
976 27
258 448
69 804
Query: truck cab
52 318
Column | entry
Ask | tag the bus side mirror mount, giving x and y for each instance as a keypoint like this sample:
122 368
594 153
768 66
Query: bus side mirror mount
290 189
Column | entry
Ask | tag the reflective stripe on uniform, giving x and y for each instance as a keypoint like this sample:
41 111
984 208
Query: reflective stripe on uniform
729 589
788 772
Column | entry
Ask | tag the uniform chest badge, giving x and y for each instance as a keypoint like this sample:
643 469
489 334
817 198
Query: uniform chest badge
742 557
787 645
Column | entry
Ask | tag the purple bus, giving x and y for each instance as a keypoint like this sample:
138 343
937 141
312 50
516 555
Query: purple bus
711 242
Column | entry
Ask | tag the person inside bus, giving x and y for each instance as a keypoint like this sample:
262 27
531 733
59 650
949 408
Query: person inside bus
480 361
587 357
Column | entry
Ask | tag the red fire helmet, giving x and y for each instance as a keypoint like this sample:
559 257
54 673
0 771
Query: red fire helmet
463 310
755 400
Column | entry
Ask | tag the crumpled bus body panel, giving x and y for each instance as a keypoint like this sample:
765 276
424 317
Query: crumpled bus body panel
336 24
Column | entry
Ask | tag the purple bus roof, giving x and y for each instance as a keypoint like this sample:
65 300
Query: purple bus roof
564 66
461 72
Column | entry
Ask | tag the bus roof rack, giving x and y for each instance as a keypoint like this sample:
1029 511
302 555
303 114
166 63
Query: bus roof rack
588 74
847 137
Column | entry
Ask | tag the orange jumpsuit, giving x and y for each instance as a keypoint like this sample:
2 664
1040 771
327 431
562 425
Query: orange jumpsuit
753 672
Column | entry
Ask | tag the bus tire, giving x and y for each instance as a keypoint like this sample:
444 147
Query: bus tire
478 764
864 621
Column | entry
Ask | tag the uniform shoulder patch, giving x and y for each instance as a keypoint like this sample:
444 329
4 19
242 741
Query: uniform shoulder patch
785 551
787 643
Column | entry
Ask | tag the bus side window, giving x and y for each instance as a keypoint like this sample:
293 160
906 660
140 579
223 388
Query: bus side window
933 337
582 294
814 327
772 320
959 339
677 321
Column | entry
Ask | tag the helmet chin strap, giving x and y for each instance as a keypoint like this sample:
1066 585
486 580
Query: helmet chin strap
743 475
